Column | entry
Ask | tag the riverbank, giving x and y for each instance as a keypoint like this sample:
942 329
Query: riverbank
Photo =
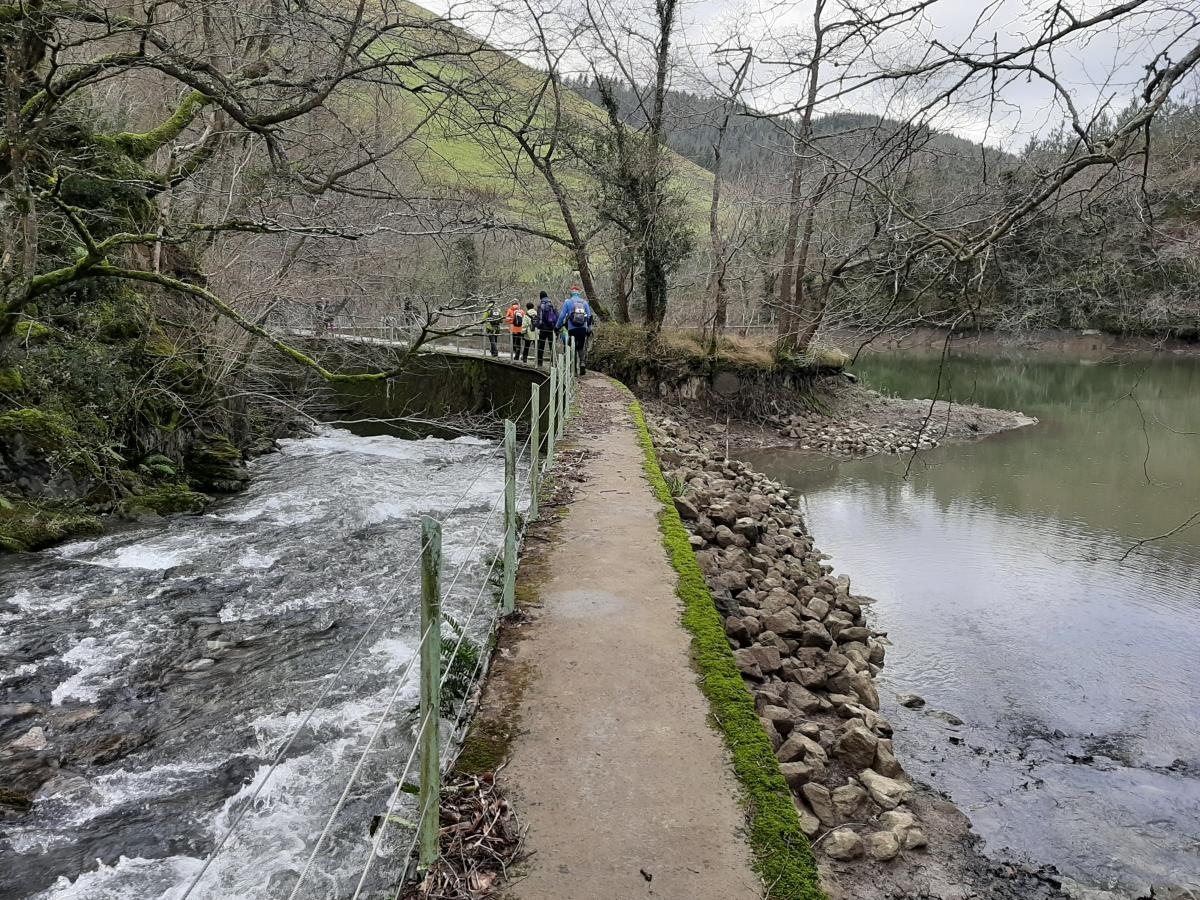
852 421
809 658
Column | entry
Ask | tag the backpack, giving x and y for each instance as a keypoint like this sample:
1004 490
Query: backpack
579 315
518 319
547 317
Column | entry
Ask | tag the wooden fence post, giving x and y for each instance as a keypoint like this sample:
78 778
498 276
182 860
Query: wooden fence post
510 516
431 699
535 448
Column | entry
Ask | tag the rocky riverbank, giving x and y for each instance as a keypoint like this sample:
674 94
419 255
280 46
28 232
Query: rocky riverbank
809 657
854 421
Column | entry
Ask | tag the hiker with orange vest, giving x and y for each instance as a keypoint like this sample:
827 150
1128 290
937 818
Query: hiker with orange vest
515 317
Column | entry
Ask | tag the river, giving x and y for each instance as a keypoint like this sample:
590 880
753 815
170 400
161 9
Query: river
1001 575
166 665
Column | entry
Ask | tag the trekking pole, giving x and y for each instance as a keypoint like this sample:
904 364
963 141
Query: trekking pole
535 447
431 700
510 516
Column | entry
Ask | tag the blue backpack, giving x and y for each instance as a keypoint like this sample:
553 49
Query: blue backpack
547 317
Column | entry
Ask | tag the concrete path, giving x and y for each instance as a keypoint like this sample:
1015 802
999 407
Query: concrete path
624 787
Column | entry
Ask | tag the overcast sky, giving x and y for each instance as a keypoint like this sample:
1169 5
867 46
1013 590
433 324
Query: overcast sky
1101 68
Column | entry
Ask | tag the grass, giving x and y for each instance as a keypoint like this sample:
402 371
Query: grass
483 158
782 853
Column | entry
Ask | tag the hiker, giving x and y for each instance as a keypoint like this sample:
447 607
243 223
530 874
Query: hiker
547 318
515 317
491 324
529 335
577 320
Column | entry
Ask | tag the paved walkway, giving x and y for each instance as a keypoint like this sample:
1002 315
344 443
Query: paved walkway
624 787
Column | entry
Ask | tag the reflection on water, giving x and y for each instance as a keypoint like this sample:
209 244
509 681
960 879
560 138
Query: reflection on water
1001 577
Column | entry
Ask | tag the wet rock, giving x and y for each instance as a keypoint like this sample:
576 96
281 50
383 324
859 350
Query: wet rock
947 717
1173 892
198 665
32 741
843 844
912 701
68 718
857 747
16 710
882 846
821 802
887 792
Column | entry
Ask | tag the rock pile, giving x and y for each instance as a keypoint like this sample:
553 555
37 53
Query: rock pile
804 650
854 437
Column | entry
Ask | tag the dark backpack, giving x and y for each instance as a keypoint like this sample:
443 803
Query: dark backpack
518 319
579 315
547 317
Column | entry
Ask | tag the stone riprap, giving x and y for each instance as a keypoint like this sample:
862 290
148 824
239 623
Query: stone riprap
805 651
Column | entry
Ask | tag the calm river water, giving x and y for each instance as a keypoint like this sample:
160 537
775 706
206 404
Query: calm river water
1000 572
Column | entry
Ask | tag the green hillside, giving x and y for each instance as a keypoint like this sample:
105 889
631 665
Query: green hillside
471 161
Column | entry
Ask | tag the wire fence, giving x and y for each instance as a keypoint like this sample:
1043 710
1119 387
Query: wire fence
524 468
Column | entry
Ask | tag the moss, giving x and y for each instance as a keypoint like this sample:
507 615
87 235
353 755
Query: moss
31 526
45 431
11 381
167 499
783 855
30 332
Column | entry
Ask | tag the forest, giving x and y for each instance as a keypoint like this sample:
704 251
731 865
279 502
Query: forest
185 185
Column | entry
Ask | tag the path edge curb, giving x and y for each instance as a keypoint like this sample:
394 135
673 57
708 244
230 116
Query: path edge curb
782 853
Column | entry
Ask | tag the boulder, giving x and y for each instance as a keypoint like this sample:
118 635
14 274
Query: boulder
856 747
854 634
912 701
800 699
843 844
898 819
886 763
687 509
847 799
818 607
797 774
800 746
882 845
887 792
913 839
864 686
809 823
821 803
783 622
33 740
814 634
747 528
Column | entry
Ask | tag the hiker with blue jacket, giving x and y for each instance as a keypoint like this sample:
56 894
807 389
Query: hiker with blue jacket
577 320
547 318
